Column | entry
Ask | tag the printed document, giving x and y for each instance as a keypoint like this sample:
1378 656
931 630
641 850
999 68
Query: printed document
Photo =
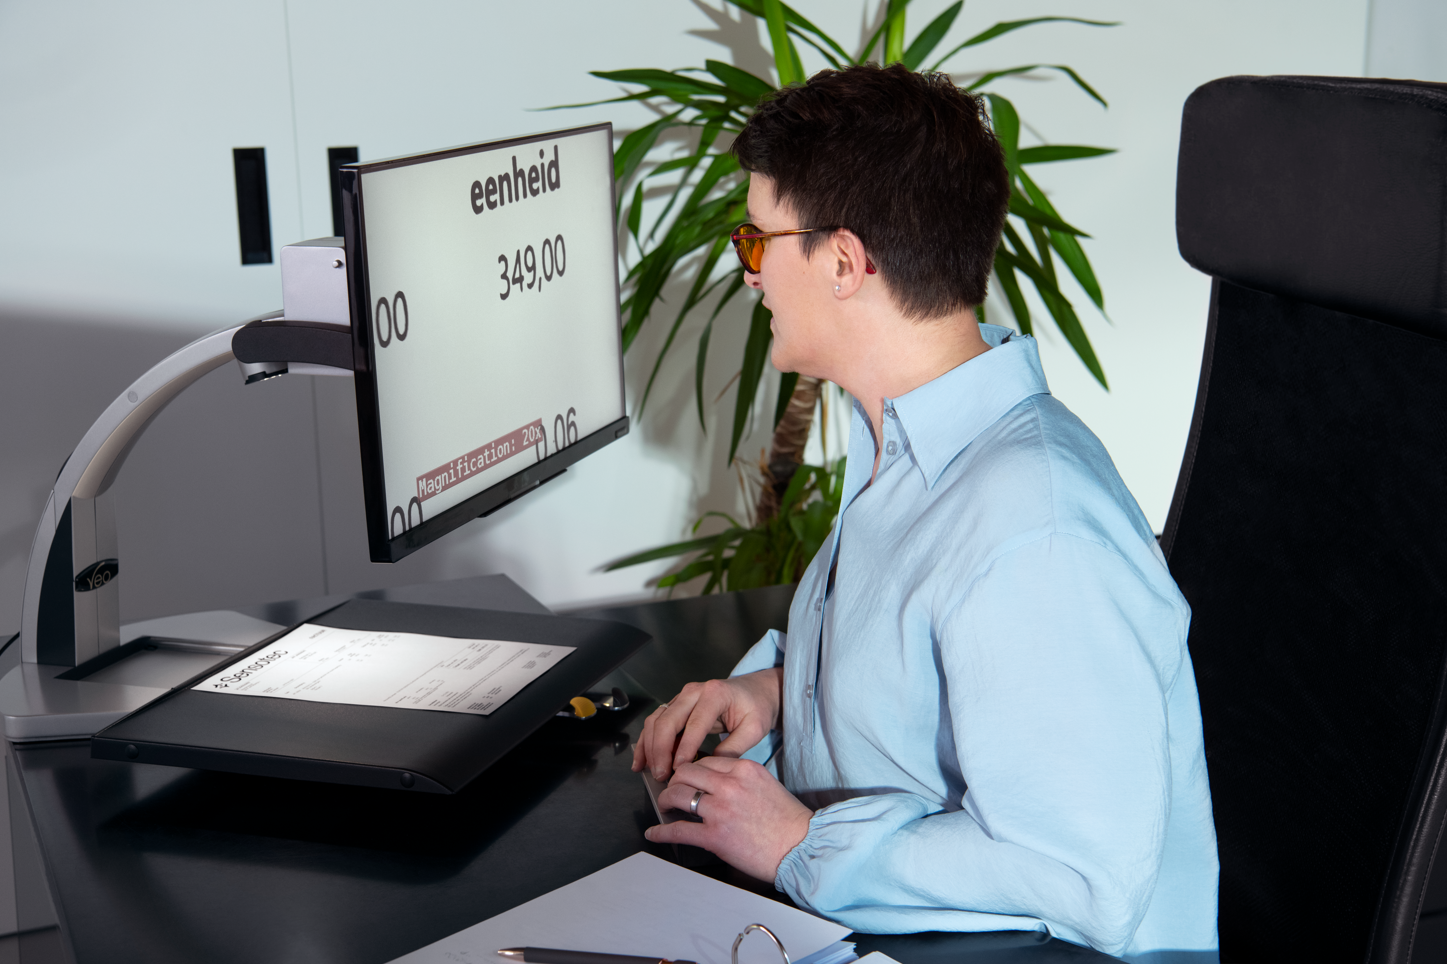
647 907
407 670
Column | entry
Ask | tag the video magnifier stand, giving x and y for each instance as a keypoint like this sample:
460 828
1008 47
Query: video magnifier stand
70 683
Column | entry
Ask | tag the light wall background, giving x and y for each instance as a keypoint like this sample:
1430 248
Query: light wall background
118 243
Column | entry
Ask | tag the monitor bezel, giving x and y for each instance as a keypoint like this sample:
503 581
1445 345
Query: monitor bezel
382 546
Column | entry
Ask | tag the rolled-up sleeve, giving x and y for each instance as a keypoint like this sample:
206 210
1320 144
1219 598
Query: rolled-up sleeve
1057 663
767 653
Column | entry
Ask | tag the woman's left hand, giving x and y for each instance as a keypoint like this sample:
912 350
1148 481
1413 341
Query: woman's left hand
749 819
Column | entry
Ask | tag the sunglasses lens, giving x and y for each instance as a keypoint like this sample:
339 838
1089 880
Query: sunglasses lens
753 252
750 250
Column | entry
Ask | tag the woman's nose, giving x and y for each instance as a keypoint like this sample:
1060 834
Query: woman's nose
752 280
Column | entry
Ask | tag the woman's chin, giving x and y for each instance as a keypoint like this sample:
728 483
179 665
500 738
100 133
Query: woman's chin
786 358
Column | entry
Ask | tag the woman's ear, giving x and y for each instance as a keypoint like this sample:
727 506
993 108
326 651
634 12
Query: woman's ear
851 264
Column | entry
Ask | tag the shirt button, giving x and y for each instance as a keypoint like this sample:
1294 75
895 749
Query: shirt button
819 604
890 412
891 448
809 691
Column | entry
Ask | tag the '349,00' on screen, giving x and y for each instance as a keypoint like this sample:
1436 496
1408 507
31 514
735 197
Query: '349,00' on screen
533 267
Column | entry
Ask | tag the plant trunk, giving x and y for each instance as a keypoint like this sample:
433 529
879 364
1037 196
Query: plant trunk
787 451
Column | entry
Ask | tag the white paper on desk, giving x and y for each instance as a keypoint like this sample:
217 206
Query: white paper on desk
647 907
409 670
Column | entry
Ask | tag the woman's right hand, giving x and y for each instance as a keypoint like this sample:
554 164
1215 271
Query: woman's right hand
746 707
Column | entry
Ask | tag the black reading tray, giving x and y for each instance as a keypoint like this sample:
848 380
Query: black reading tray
428 750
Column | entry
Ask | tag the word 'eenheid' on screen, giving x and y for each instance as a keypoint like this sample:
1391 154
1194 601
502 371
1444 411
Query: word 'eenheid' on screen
520 182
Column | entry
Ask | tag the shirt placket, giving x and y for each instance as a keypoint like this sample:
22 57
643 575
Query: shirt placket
889 439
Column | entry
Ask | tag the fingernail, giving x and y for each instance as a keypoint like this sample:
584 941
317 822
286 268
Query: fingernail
648 834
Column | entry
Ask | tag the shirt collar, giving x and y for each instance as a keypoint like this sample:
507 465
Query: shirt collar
943 416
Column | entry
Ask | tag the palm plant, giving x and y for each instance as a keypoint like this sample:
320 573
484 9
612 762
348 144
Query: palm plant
774 550
706 197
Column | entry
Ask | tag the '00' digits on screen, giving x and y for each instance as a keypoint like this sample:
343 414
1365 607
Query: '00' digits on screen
554 262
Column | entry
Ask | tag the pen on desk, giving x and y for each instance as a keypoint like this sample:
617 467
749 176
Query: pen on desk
549 955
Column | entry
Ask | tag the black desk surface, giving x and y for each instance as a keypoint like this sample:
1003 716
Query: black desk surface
155 864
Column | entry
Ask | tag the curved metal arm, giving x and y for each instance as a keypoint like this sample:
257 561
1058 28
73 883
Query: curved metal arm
60 605
89 472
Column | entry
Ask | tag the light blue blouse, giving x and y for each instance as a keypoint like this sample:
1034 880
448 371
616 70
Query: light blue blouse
993 704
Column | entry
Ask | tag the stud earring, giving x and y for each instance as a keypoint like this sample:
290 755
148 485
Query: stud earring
836 287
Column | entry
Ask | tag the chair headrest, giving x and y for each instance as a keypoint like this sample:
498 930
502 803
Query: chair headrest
1329 190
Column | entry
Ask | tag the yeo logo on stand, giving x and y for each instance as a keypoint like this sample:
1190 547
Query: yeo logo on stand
96 575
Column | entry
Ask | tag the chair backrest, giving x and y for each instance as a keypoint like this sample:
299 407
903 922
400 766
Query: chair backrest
1309 525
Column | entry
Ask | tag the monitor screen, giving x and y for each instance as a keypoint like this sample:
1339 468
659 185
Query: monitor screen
483 283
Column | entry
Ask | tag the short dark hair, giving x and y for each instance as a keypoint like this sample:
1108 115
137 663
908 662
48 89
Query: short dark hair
905 160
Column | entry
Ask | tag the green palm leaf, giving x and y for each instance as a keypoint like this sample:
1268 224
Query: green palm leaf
1004 27
641 95
663 552
894 32
1079 81
1005 274
740 82
756 352
736 284
664 82
694 296
895 9
1006 122
796 23
787 381
1022 208
635 213
1056 303
1067 247
1048 153
786 58
930 37
636 146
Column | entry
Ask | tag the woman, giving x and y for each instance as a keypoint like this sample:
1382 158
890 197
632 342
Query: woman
983 713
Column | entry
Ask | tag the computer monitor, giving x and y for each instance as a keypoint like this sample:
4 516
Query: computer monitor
483 283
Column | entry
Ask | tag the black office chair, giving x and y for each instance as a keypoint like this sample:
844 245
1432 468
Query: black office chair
1309 525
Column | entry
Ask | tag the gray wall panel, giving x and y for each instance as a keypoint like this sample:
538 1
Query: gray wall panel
218 505
57 374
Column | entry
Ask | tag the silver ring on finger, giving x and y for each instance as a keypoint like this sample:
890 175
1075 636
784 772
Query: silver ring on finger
662 707
693 804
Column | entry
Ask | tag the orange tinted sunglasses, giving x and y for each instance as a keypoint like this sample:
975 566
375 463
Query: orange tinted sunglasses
749 245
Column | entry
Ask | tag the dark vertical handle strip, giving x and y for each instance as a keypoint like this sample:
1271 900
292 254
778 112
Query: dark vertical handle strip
55 625
369 417
336 157
253 214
